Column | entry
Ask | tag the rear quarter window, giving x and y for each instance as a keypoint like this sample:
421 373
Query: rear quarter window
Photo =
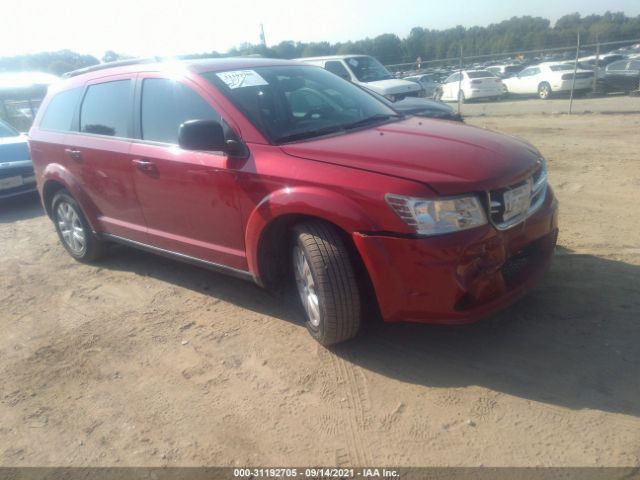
59 113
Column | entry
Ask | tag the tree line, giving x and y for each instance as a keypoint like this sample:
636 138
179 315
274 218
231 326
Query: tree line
515 34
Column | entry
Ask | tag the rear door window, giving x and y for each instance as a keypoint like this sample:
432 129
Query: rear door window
106 109
59 113
167 104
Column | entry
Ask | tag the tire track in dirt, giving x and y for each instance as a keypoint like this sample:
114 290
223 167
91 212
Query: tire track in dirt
350 383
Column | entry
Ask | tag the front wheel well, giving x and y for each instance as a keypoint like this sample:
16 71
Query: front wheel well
51 187
274 264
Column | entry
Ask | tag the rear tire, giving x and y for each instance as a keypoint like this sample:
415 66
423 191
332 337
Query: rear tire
326 283
73 229
544 91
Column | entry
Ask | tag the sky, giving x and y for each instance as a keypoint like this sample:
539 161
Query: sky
170 27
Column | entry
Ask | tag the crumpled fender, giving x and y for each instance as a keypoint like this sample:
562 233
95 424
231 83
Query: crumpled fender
310 201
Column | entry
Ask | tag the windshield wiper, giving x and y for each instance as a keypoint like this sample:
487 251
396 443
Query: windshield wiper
309 134
378 117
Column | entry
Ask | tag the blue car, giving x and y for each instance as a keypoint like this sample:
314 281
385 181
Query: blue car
16 169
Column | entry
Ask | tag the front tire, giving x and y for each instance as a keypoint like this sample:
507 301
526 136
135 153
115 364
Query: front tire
326 283
544 91
73 229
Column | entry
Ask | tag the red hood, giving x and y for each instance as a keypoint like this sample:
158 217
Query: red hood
450 157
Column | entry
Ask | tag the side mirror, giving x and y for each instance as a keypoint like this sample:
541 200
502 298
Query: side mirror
208 135
202 135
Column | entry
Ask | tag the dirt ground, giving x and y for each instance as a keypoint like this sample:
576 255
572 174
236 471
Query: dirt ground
615 103
143 361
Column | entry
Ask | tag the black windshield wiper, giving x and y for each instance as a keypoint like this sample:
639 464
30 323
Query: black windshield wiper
309 134
378 117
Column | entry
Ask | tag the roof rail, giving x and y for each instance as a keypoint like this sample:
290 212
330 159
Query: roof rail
119 63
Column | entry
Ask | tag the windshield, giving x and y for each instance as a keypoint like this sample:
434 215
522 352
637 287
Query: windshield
289 103
368 69
7 130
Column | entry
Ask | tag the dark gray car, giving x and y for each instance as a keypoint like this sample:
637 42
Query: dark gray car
422 107
16 169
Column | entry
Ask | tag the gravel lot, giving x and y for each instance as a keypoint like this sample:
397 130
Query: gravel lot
143 361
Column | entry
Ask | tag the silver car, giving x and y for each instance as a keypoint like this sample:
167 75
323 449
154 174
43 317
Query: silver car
428 84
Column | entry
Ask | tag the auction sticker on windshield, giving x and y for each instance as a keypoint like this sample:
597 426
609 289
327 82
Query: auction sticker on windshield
242 78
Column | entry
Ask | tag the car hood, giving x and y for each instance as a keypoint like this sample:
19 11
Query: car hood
393 86
452 158
13 149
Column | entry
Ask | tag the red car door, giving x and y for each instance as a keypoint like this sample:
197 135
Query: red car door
100 153
188 198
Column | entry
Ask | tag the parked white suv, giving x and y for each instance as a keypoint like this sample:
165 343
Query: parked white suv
548 78
474 84
369 73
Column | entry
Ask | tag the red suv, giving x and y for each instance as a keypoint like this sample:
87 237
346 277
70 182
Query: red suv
275 170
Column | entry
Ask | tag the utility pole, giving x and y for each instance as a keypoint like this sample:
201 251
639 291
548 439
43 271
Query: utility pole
575 71
460 82
262 38
595 71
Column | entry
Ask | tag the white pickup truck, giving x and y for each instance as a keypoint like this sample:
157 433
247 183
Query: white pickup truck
369 73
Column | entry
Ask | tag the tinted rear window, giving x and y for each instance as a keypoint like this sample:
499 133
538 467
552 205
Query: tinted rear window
59 113
480 74
105 109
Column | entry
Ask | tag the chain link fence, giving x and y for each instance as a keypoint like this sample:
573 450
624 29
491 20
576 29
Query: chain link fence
601 76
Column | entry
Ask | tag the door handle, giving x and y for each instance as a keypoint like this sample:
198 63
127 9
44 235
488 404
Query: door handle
145 166
74 154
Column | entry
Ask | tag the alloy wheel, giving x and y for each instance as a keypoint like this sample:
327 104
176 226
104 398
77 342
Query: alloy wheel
306 286
544 91
71 228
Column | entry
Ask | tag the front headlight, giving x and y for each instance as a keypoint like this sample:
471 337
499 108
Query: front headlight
438 216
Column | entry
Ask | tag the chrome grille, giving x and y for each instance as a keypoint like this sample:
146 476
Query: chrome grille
538 192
